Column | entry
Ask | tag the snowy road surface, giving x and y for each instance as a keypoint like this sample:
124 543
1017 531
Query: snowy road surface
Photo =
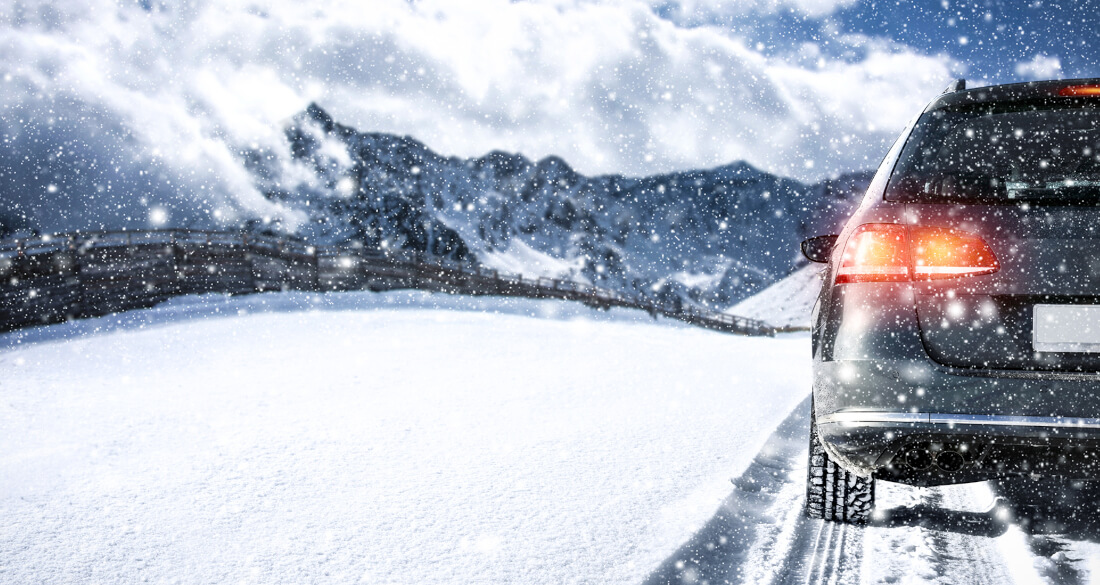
951 535
397 438
378 444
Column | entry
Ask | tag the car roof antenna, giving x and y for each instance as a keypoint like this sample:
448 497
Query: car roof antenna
957 85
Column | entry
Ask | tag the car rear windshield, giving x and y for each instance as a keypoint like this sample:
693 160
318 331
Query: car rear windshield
1003 154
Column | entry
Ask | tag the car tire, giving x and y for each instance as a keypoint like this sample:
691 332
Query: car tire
833 493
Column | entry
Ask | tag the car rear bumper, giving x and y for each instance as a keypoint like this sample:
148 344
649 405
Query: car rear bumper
1037 424
984 446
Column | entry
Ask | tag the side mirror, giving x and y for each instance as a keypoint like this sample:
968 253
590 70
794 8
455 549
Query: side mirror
818 249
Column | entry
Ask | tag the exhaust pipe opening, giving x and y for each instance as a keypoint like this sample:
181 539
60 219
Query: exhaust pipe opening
918 458
950 460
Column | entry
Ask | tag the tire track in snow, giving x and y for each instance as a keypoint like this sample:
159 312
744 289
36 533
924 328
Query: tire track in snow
831 559
823 555
822 552
759 534
935 535
763 514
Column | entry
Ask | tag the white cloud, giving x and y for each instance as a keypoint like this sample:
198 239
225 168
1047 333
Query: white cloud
1039 67
169 97
707 8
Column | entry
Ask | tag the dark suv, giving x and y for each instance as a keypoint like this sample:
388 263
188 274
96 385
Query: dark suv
957 334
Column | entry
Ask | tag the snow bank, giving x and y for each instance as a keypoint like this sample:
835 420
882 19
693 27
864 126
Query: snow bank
787 303
374 438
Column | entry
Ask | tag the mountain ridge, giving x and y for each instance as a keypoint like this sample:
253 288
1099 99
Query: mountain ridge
709 237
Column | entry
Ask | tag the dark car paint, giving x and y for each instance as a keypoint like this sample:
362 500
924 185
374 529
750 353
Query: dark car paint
880 353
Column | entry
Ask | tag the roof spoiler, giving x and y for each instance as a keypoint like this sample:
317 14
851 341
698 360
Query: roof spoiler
957 85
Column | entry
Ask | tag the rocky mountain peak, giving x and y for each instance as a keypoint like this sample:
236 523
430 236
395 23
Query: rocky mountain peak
709 236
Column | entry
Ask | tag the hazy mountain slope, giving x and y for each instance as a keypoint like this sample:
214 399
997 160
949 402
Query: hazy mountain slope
786 303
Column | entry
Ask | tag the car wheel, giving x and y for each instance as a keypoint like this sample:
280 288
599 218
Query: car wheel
831 492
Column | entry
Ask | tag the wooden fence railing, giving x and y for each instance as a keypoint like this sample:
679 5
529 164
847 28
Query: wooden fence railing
52 278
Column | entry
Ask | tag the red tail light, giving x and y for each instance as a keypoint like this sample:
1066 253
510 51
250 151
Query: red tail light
888 252
944 253
876 252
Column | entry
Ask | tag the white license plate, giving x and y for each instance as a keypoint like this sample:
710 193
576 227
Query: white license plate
1066 328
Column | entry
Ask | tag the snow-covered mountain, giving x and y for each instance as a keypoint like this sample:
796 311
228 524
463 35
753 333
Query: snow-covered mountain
787 303
710 236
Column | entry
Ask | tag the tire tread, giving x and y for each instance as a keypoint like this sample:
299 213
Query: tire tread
832 493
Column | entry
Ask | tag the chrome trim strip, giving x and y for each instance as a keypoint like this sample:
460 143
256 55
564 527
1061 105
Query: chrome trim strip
855 418
1015 421
873 417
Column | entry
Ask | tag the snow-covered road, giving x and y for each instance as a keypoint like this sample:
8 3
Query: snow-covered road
952 535
377 438
417 438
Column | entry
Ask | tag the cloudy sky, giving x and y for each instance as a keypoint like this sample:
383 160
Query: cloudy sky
123 105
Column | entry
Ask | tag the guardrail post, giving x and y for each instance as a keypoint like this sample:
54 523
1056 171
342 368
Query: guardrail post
316 268
78 281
